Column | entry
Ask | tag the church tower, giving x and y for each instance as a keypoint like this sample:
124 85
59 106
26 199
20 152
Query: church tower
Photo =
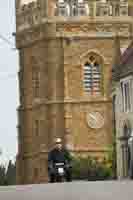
66 51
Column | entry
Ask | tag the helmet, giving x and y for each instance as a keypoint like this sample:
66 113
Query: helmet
58 140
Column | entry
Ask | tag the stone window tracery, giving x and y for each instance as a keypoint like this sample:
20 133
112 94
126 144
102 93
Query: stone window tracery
126 98
92 76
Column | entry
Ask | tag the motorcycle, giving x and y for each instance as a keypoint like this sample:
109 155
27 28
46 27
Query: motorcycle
59 172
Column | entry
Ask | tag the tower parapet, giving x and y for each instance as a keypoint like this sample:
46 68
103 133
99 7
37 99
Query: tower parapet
92 8
29 13
33 12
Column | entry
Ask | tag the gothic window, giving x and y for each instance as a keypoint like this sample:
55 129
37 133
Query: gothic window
126 98
35 82
92 76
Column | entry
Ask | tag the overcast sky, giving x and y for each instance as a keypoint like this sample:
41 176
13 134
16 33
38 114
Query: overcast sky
8 83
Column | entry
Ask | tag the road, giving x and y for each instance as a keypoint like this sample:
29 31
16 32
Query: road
104 190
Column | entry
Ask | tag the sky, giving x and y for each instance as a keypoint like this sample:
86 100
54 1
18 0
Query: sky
9 67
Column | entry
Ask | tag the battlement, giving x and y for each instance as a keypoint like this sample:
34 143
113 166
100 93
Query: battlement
33 12
92 8
29 13
23 6
27 5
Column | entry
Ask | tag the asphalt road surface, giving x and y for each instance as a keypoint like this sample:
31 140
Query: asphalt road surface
100 190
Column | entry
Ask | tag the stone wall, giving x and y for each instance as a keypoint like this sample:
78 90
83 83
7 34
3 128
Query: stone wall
54 102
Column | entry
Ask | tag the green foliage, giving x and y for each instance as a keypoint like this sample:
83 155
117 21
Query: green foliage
91 168
8 177
11 174
2 175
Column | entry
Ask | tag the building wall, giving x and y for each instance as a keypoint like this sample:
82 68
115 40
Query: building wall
58 49
122 118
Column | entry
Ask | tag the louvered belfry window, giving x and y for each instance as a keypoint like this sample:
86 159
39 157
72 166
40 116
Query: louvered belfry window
92 76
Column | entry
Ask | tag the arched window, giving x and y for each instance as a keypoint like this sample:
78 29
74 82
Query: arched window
127 129
92 76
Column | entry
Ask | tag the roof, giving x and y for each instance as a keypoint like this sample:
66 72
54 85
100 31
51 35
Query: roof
127 53
125 67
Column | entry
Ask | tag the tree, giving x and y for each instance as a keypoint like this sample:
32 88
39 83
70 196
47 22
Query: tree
2 175
11 174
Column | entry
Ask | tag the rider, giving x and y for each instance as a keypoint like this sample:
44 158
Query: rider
59 155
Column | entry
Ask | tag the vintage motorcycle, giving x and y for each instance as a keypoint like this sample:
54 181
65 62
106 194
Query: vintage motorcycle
59 172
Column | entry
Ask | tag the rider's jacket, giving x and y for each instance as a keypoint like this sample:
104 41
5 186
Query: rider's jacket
59 156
